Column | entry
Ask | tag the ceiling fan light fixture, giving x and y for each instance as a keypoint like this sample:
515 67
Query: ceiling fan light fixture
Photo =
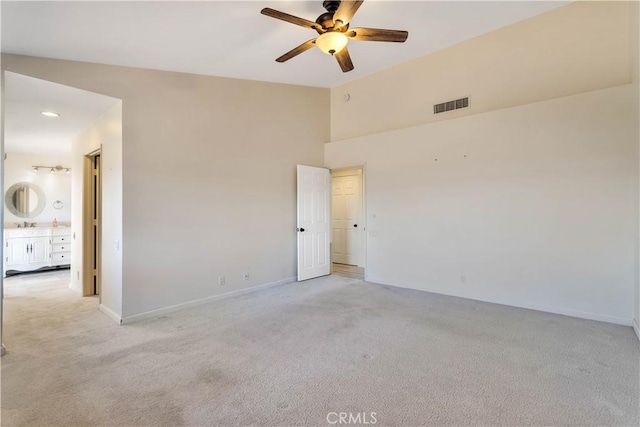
332 42
333 27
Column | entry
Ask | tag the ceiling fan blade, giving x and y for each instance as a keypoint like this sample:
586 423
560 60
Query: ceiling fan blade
290 18
345 11
297 50
344 59
377 35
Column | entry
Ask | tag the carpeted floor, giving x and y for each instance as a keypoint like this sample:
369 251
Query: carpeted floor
297 353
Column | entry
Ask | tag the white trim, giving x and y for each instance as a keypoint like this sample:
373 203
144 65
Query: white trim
111 314
545 308
75 289
636 328
195 303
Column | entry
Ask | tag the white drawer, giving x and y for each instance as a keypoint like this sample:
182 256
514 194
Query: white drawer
62 247
64 257
61 239
61 231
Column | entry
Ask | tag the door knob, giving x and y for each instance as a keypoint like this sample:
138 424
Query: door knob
355 225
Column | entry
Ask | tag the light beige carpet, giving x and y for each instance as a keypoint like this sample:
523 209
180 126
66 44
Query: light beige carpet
293 354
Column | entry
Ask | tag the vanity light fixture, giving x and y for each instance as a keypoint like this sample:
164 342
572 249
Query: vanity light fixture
50 113
52 169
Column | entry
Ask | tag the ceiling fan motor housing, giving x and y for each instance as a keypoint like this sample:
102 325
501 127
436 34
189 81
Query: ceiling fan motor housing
331 5
326 19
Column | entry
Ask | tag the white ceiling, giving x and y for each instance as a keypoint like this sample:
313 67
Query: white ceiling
232 38
28 131
220 38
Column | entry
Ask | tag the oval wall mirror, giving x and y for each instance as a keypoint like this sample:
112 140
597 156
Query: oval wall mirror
24 200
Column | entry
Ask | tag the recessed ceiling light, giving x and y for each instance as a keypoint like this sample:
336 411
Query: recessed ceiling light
50 114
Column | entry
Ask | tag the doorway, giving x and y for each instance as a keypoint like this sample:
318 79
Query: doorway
92 223
348 222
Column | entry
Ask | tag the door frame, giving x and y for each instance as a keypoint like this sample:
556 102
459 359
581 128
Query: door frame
3 157
91 250
338 171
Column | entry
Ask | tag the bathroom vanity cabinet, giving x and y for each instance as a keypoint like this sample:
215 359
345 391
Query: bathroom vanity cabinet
28 249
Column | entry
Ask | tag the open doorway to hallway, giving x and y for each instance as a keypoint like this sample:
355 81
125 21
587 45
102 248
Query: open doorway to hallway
48 128
348 222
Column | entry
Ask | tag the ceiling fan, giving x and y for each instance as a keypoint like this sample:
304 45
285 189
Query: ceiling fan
334 32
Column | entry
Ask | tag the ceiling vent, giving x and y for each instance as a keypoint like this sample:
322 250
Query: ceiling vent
451 105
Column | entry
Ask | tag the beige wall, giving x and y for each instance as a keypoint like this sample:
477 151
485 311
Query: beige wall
105 134
532 206
576 48
208 168
540 212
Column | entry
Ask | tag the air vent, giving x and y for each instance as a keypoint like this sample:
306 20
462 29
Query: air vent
450 105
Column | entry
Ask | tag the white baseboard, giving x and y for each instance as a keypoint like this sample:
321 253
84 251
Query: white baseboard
75 289
636 328
547 309
110 313
195 303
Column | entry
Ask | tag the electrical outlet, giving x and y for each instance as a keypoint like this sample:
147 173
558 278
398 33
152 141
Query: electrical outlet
221 280
245 275
463 279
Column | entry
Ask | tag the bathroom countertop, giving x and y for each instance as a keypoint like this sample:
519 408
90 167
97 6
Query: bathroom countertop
15 227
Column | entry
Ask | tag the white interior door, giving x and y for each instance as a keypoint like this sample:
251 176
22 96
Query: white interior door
314 209
347 219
